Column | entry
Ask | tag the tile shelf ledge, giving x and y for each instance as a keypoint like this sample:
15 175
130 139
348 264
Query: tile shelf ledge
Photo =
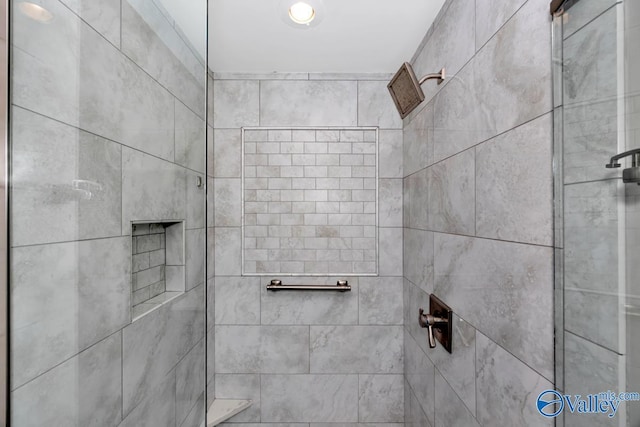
223 409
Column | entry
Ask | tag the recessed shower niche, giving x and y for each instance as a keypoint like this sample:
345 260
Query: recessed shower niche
157 264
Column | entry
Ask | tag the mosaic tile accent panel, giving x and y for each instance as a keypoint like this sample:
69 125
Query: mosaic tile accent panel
310 201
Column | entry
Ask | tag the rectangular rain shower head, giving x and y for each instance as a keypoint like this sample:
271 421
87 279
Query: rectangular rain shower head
405 90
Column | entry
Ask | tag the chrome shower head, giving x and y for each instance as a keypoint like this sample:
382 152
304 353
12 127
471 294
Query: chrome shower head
405 88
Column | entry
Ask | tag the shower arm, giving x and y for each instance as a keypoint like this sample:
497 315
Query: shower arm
440 76
613 163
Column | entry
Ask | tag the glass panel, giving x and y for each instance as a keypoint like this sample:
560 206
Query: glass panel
108 146
596 103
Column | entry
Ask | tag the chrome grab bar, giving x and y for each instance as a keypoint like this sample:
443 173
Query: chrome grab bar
340 286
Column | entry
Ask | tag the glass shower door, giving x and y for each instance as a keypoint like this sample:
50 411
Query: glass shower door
107 232
597 116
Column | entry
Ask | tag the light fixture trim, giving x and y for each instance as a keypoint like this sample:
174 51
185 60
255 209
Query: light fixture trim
302 13
35 11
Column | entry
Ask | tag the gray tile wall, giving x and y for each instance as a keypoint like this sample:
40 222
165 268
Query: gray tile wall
478 217
310 201
307 359
148 262
108 128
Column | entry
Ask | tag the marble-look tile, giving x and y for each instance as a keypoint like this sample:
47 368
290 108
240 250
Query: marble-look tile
514 199
310 103
390 154
450 46
195 254
507 388
159 408
152 189
196 417
236 103
227 153
416 200
416 415
491 15
418 140
419 372
451 411
153 344
418 258
381 398
502 289
356 349
228 202
58 76
380 301
240 386
237 300
104 16
577 16
459 367
66 182
591 235
262 349
390 202
190 381
583 311
68 296
310 308
587 56
390 248
590 369
83 391
190 140
376 107
452 193
227 251
154 44
285 398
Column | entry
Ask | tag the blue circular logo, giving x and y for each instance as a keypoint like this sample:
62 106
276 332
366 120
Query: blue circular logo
546 401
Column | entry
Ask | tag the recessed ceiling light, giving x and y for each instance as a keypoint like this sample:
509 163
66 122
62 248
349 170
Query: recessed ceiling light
302 13
35 11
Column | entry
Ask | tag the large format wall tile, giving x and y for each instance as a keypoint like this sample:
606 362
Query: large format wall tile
450 45
380 301
285 398
390 154
236 103
152 42
491 15
227 251
103 16
152 189
83 391
514 198
418 258
507 388
451 194
153 344
237 300
376 107
67 297
451 410
576 17
189 381
312 103
189 134
418 140
262 349
240 386
390 202
356 349
195 257
414 299
416 200
159 409
62 70
503 290
66 182
419 372
381 398
227 153
583 311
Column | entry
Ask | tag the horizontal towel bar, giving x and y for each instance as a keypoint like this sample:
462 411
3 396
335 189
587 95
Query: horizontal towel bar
341 286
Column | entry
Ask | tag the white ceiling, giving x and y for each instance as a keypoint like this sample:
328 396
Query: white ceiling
354 36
